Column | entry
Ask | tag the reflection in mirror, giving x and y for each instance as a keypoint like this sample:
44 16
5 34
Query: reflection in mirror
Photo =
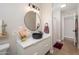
32 20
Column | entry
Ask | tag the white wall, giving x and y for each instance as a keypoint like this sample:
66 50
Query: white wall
56 22
78 24
46 16
13 16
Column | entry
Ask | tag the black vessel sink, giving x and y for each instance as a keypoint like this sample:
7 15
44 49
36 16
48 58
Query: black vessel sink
37 35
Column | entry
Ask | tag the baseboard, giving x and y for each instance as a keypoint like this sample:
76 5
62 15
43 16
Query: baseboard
69 38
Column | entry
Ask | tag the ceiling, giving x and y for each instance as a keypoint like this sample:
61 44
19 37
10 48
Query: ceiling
69 7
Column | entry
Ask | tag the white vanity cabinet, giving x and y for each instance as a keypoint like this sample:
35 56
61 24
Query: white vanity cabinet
36 47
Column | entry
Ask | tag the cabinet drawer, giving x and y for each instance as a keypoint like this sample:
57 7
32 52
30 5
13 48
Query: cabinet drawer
44 46
39 48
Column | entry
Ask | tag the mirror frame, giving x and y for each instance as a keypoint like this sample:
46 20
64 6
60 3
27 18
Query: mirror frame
37 12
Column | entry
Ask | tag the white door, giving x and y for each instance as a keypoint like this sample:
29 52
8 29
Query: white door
69 26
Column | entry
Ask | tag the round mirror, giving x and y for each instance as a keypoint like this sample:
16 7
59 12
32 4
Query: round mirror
32 20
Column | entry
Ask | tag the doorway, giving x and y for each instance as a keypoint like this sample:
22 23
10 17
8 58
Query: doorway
70 28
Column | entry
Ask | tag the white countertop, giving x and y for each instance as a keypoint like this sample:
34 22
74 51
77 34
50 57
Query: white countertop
30 41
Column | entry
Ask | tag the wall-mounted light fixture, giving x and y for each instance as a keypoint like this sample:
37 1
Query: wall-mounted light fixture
33 6
64 5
